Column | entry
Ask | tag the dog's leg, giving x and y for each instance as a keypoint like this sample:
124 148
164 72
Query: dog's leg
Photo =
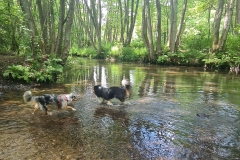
46 110
109 103
102 101
70 107
36 107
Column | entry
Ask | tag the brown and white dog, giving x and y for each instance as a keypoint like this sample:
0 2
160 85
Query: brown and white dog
62 101
120 93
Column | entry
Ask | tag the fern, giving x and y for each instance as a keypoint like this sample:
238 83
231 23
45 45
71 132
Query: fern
36 70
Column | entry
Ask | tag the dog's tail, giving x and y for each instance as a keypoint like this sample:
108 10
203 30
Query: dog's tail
127 85
27 96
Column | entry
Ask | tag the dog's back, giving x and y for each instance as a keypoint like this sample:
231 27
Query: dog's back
101 91
110 93
117 92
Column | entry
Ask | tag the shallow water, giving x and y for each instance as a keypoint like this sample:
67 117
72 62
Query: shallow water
172 113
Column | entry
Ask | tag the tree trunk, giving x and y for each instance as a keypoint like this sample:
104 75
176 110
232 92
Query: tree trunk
132 21
144 26
150 34
226 25
96 20
58 49
237 18
25 6
99 28
217 21
126 19
180 25
12 30
158 43
69 22
209 18
173 25
121 22
43 24
51 24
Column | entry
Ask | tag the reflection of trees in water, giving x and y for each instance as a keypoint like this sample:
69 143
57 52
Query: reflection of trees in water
210 91
149 85
169 84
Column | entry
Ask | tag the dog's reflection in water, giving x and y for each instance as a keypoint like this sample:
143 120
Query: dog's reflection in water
115 114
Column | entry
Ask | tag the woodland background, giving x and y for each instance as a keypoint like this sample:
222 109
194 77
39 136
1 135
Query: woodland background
48 33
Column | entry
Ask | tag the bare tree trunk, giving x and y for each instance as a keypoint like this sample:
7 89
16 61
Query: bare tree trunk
96 20
209 17
85 21
99 27
12 30
180 25
173 25
58 47
237 18
43 24
226 25
132 22
127 19
158 43
144 26
217 21
150 34
69 22
147 34
52 32
121 21
26 5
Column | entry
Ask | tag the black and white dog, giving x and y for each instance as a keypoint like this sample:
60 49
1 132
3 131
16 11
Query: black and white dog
120 93
62 101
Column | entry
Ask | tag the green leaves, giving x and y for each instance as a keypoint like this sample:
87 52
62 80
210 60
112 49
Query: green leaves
18 72
36 70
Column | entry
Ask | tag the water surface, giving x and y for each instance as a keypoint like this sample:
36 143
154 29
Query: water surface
172 113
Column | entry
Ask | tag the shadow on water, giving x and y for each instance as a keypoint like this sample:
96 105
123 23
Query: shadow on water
172 113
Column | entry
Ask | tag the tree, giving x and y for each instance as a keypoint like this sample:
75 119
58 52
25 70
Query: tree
237 18
226 25
180 25
216 27
46 40
26 8
218 44
173 25
159 32
95 13
127 19
147 34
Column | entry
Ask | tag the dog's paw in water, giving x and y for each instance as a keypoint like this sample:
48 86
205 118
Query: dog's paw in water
128 103
109 103
50 113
